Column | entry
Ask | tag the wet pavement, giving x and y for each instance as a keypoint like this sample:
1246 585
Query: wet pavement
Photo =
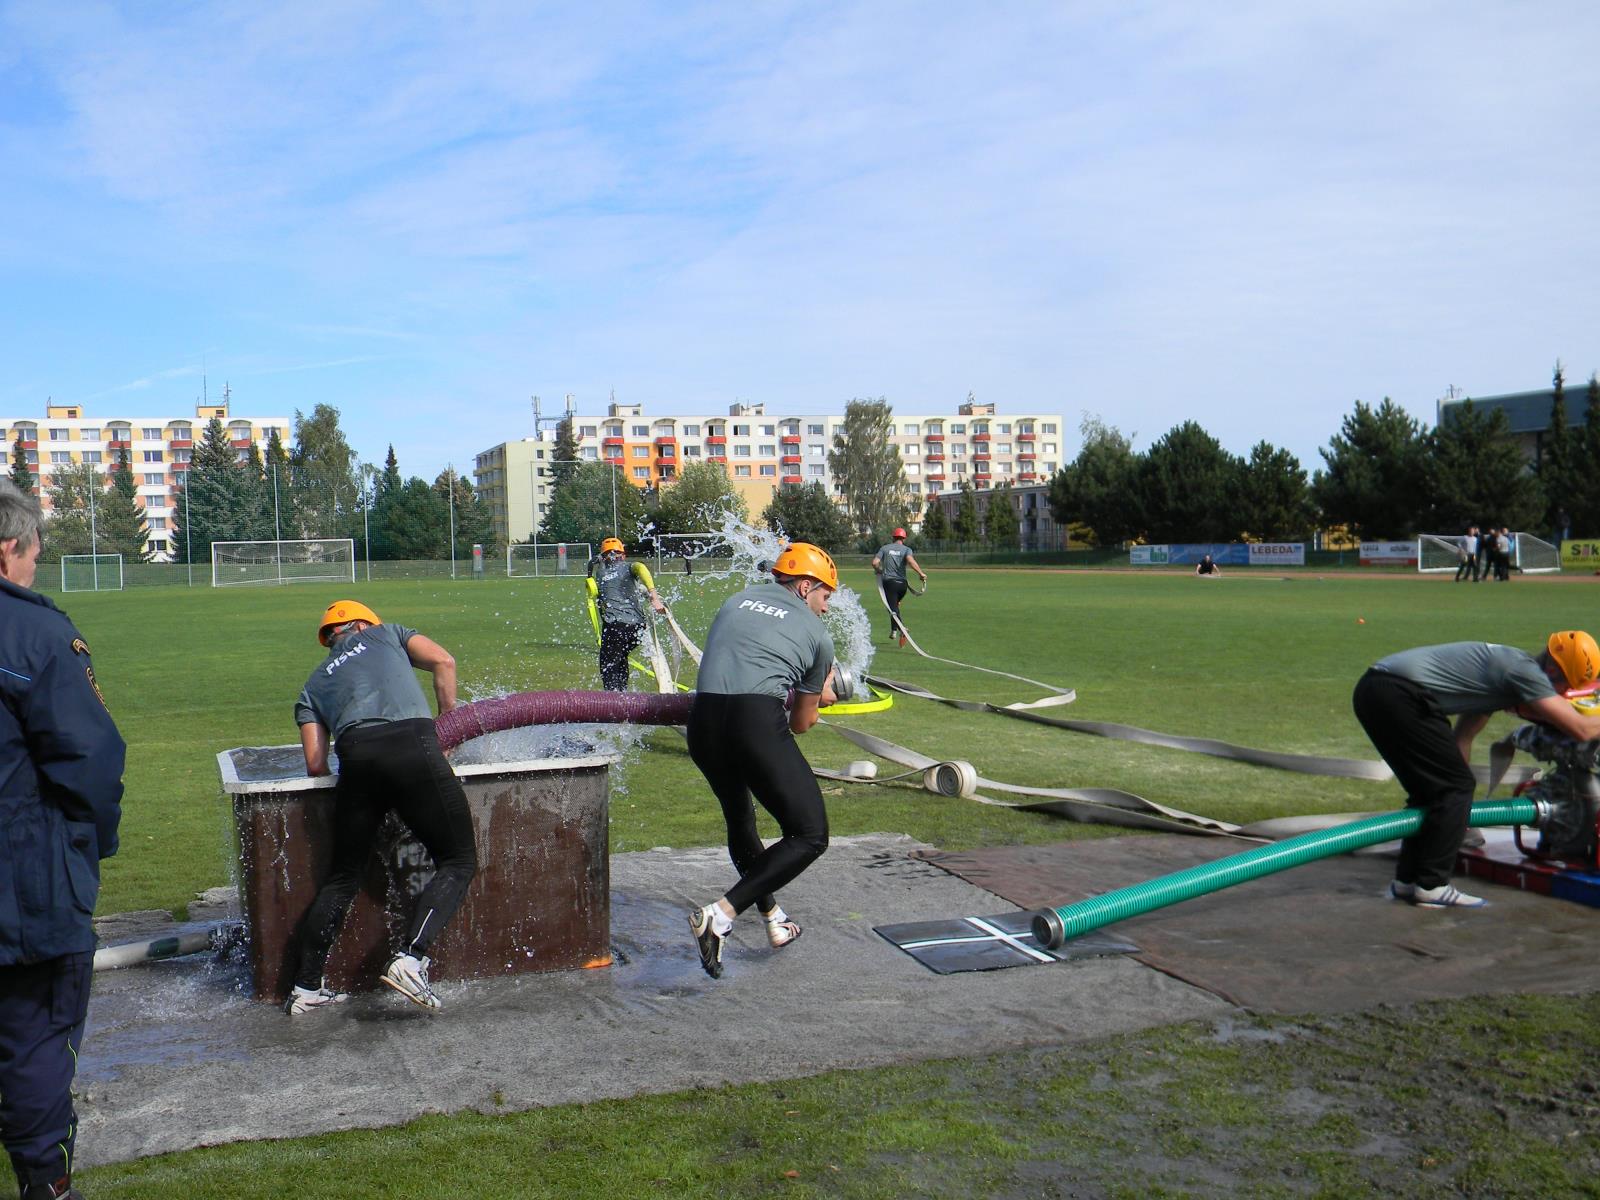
177 1054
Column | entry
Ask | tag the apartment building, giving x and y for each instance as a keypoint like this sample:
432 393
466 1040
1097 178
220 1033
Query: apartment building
1037 528
159 451
514 480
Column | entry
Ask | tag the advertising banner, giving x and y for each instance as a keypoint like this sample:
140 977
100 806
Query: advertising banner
1581 555
1147 556
1237 554
1389 554
1277 554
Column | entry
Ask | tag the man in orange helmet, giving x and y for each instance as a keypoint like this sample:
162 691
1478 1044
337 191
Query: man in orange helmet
613 587
1404 702
767 669
365 697
890 563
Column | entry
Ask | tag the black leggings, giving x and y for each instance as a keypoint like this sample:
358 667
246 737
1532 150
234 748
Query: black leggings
617 638
742 744
1414 736
894 591
397 765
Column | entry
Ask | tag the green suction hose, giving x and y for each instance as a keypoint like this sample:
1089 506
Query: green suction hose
1053 926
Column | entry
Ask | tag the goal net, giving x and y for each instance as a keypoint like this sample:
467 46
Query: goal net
299 560
526 560
693 552
1438 552
1533 555
91 572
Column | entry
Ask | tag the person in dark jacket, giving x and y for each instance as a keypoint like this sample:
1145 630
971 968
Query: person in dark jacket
61 761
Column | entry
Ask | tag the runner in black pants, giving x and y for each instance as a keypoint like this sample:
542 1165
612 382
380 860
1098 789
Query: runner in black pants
389 758
890 562
1404 702
766 671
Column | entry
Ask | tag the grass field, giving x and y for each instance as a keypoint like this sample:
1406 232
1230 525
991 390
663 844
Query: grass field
1262 660
1338 1108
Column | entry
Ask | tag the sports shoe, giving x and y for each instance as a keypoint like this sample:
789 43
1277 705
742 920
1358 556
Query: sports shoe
1402 891
304 1000
408 975
781 931
1445 896
60 1189
708 940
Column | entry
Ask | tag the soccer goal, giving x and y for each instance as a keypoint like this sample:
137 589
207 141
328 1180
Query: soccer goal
693 552
1533 555
528 560
299 560
1438 552
91 572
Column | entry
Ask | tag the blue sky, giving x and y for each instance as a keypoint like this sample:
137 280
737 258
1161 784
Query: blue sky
1251 215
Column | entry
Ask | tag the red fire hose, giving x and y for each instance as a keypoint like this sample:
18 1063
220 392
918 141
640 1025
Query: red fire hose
560 708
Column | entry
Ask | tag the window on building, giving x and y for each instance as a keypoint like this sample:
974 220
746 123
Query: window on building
152 433
155 456
641 472
958 450
158 545
589 452
1049 447
958 468
155 523
768 450
90 434
60 435
910 451
61 456
741 451
1002 448
588 430
815 430
1048 427
641 451
91 456
1005 428
911 429
741 431
816 469
958 429
33 455
913 468
691 451
691 431
768 469
183 456
817 451
916 489
741 472
641 431
154 479
768 430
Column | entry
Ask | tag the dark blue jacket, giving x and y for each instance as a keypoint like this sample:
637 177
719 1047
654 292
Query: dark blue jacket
60 782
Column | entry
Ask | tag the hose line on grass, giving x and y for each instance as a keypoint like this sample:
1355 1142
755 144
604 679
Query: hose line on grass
1053 926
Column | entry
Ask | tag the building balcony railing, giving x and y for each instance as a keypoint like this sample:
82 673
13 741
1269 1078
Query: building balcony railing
790 439
717 456
790 458
241 443
936 478
716 439
933 456
611 441
981 456
666 439
182 443
1027 455
1025 437
789 479
933 437
980 437
115 441
1026 477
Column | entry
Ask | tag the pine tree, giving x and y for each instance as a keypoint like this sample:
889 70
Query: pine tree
935 525
566 454
20 474
213 504
1556 462
1099 489
967 528
386 491
804 513
122 525
1000 522
474 524
277 494
1375 469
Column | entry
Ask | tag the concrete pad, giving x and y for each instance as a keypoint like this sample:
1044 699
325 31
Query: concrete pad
177 1056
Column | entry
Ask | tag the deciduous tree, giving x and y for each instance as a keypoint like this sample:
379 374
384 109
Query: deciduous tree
867 467
697 500
804 513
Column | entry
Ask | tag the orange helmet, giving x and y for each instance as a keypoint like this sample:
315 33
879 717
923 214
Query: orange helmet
613 544
899 533
802 558
341 612
1576 654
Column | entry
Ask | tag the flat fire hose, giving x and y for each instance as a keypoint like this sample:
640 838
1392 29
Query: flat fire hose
1093 806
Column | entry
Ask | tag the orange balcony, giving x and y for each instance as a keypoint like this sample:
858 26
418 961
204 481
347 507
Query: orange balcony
934 437
1026 455
980 437
789 479
1026 477
1025 437
716 439
934 456
939 478
790 459
612 441
241 443
790 439
666 439
182 443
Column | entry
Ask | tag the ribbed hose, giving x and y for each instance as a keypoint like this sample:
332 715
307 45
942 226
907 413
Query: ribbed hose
559 708
1053 926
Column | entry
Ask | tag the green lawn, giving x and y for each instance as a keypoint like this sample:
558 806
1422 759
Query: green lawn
1262 660
1492 1097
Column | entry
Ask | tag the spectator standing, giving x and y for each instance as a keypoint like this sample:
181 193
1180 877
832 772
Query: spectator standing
1468 553
61 761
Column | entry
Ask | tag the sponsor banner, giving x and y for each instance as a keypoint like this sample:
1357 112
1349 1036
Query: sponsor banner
1277 554
1583 554
1389 554
1236 554
1147 556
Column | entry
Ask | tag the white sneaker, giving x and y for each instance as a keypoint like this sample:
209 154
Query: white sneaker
408 975
1403 891
304 1000
1445 896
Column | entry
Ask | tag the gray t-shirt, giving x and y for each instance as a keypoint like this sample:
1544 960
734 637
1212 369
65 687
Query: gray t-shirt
892 558
763 642
367 679
1471 677
619 593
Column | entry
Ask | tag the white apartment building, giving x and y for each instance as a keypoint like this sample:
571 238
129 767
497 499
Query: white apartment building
761 452
159 451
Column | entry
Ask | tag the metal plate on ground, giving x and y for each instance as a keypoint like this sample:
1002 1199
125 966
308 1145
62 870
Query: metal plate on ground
991 943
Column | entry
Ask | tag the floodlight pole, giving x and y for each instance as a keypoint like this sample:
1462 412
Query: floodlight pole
450 469
277 527
188 528
94 541
367 472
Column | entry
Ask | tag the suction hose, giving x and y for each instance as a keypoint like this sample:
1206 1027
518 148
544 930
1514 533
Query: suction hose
559 708
1053 926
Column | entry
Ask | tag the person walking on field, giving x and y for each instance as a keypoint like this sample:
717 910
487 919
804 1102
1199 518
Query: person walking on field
1404 702
613 587
61 761
1468 553
890 563
767 669
365 697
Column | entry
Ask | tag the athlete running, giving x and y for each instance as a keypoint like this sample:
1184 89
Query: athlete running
890 563
767 668
613 586
366 696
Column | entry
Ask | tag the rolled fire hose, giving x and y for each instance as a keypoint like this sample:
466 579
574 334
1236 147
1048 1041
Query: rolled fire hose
1053 926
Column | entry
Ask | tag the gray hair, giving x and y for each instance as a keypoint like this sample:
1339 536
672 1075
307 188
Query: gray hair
20 515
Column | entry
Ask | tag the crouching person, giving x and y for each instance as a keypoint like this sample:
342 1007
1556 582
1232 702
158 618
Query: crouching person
365 697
